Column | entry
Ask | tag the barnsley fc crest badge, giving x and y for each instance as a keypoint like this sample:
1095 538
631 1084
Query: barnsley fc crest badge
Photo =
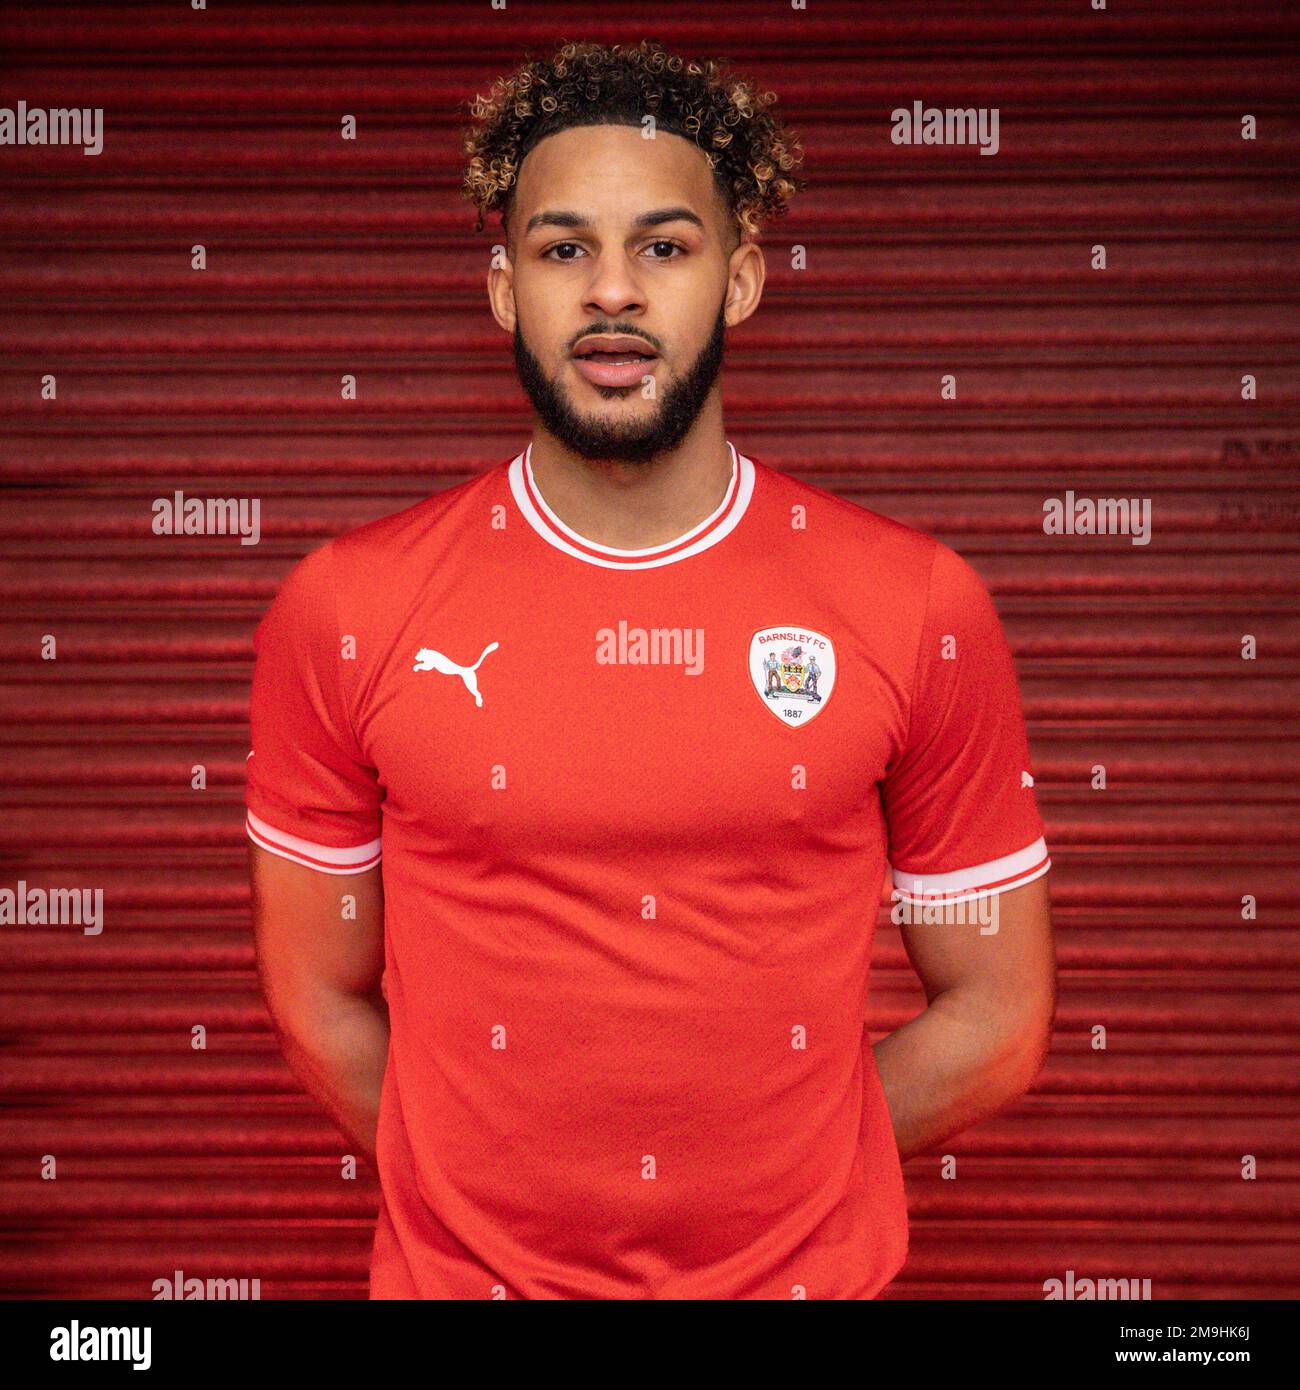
793 670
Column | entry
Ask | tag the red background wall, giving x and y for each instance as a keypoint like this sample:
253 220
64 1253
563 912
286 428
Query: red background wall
325 257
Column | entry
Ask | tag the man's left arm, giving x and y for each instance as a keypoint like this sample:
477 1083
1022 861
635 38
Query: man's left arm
984 1035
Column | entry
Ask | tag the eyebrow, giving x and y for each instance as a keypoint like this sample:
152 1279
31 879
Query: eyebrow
575 221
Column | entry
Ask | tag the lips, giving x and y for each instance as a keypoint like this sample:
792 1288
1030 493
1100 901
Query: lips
614 361
612 348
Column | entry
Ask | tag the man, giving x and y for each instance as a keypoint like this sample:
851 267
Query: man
773 668
599 1020
810 681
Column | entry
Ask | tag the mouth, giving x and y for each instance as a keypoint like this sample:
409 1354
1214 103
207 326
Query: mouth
614 361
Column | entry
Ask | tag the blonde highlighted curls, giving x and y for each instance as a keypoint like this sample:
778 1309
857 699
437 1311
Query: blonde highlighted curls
753 156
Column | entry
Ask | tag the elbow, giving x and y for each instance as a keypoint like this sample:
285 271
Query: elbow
1031 1060
1027 1036
1026 1053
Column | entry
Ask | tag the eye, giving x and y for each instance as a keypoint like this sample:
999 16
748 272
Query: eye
662 249
561 246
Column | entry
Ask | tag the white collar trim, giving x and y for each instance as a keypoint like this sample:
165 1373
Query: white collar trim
719 523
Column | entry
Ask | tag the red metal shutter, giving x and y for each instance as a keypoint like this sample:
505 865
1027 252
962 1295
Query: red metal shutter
1120 129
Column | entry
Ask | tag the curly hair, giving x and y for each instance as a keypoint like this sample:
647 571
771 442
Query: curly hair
753 156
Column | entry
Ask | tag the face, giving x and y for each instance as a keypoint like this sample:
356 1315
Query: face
624 273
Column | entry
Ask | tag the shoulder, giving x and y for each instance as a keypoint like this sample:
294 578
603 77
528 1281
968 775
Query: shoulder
423 524
853 538
377 563
374 564
910 582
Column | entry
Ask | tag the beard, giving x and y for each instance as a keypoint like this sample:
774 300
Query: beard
634 441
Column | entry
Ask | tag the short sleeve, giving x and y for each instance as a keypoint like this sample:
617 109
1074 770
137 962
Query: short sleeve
958 799
310 794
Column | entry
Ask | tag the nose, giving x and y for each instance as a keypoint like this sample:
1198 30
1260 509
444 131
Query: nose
613 288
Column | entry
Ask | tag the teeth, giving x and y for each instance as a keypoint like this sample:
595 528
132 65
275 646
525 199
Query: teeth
619 354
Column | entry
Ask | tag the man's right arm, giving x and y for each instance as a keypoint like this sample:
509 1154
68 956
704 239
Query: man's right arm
320 963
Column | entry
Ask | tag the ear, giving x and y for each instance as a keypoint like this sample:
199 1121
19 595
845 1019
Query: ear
746 275
501 288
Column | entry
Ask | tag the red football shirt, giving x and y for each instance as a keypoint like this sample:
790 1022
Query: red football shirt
637 811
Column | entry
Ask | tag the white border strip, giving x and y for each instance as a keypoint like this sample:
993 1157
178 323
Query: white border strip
961 885
742 485
325 858
650 549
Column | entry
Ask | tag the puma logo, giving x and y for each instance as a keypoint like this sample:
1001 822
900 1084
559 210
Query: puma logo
426 659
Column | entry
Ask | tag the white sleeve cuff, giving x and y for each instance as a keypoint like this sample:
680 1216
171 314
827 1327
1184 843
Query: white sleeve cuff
325 858
963 885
